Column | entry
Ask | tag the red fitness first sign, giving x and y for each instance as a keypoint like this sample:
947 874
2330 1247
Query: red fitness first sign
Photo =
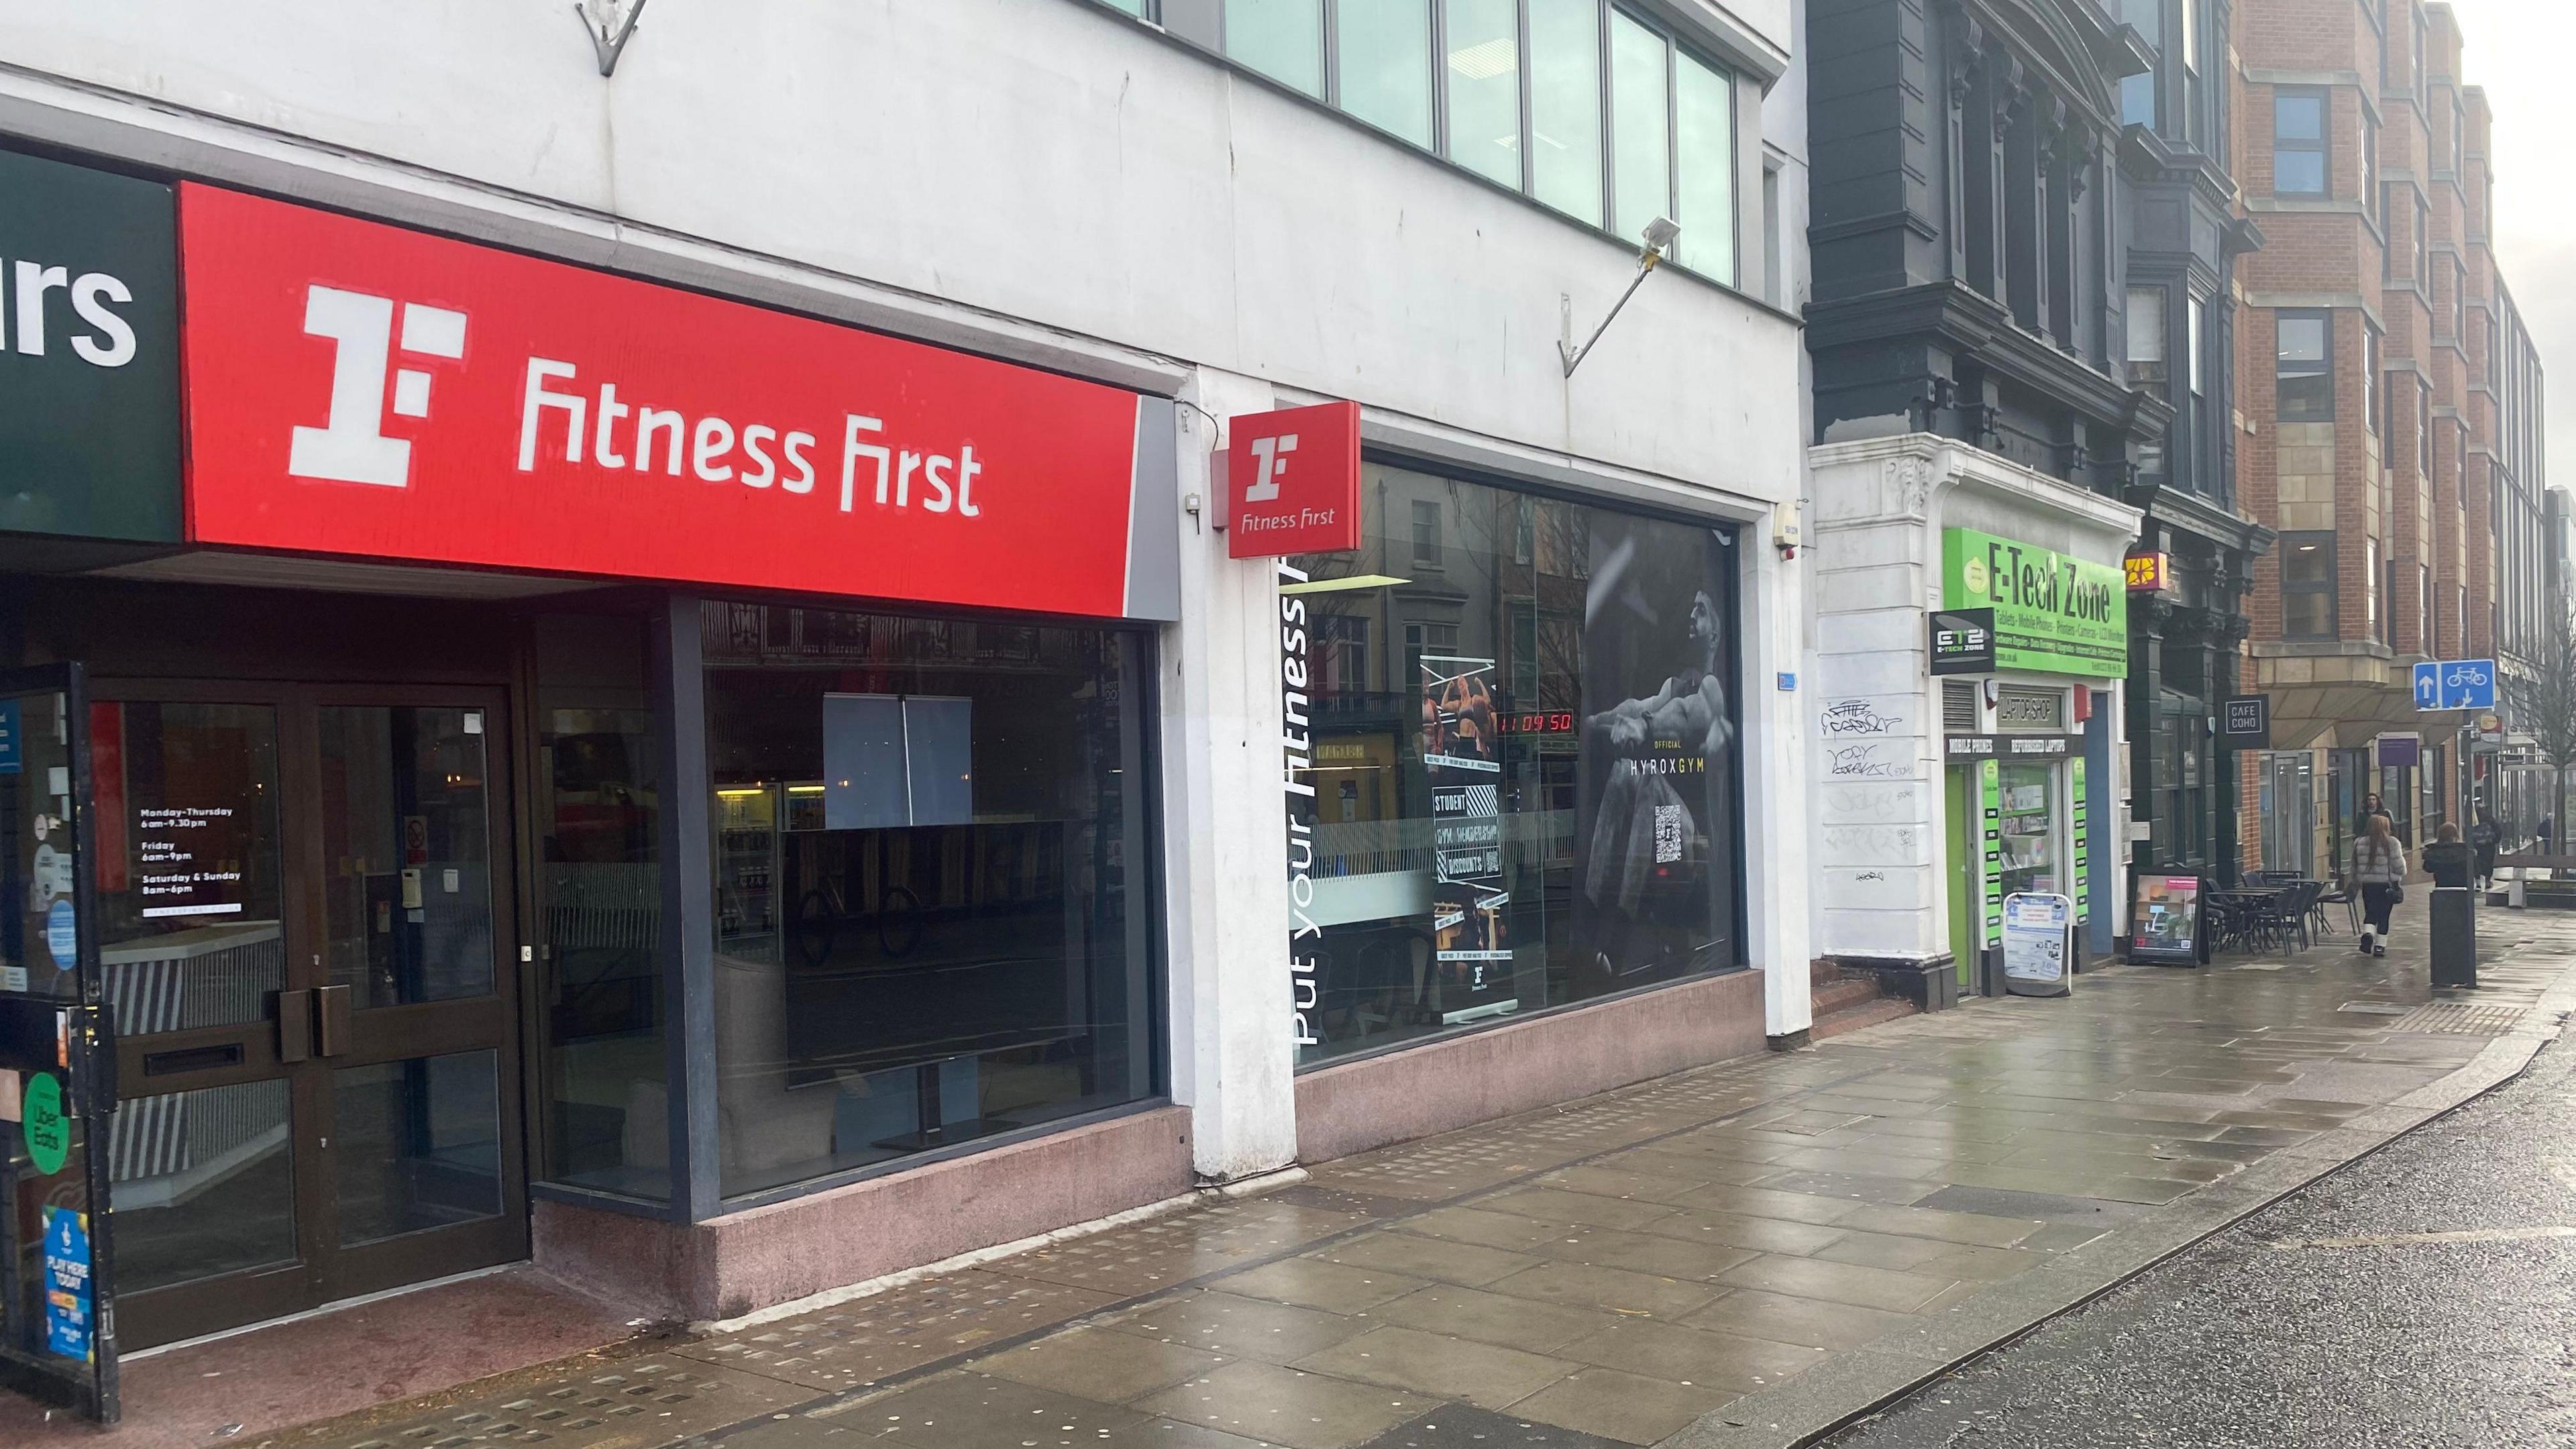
1295 476
359 389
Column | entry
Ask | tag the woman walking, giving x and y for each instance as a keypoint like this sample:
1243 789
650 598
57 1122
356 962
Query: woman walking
2378 871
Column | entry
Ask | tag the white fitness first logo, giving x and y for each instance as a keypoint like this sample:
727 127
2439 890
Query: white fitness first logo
1271 454
353 448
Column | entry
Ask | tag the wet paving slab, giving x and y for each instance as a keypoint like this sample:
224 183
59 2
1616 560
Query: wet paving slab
1607 1273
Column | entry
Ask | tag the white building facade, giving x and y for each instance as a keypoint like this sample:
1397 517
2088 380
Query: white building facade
1571 588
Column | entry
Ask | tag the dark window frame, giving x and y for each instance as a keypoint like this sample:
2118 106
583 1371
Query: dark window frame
1201 24
2304 369
2321 145
2299 542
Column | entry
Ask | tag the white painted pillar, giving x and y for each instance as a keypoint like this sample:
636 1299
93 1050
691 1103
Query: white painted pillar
1225 855
1775 780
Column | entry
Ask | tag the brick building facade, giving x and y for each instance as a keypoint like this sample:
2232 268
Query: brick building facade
2380 361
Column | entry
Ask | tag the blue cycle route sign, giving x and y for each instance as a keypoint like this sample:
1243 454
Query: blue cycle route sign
2456 684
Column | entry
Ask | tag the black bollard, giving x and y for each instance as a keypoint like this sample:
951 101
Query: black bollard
2455 937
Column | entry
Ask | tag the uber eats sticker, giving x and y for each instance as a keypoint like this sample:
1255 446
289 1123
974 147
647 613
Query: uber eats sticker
49 1135
2054 613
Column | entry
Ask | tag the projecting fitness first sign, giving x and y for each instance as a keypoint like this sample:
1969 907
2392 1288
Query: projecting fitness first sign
2052 613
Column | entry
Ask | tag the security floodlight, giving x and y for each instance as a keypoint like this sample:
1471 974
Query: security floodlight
1660 234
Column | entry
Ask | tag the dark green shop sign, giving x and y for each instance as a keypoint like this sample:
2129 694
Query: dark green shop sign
2053 613
89 353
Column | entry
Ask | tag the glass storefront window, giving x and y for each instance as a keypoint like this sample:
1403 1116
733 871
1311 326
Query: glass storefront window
2032 833
190 930
2289 805
607 1121
1525 765
934 882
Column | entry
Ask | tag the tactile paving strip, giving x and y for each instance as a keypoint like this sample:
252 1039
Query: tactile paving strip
648 1402
2460 1018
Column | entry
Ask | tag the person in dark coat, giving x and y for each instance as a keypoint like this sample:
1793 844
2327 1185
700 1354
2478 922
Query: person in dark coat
2452 862
2486 838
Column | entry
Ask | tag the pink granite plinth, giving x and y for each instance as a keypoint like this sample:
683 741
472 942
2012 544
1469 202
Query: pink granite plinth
743 1261
1478 1076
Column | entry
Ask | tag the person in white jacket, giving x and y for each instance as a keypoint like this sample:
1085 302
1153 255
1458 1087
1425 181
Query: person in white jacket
2378 870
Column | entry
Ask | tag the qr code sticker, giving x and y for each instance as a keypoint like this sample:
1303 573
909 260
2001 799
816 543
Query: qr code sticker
1668 834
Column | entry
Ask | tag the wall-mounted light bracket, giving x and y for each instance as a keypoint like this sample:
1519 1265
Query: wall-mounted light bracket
609 24
1660 235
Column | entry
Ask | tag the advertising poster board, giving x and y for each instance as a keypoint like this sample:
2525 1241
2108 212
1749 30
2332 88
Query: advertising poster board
2083 838
2035 930
2166 921
1657 894
1460 758
1990 880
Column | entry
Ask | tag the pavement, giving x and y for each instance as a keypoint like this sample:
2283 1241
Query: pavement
1754 1253
2424 1296
324 1366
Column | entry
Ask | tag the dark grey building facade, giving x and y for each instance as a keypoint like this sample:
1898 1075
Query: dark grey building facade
2182 234
1967 232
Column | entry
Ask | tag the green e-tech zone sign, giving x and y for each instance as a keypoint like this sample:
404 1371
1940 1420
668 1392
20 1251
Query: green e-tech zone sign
2054 613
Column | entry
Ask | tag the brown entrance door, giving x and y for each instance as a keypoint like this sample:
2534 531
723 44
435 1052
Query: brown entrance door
307 941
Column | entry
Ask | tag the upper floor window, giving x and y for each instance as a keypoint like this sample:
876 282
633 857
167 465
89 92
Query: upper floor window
2388 232
1426 534
2370 584
2299 142
2308 585
1282 39
2138 92
2193 311
2146 327
1382 56
1578 103
2423 427
2420 74
2194 105
2370 379
2305 371
2369 157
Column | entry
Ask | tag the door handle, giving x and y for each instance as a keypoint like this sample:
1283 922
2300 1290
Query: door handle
333 1020
294 1025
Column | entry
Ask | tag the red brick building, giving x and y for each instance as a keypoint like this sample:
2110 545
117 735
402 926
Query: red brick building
2389 414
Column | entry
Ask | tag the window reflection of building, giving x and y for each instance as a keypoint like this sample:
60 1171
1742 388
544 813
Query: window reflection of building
933 880
1478 584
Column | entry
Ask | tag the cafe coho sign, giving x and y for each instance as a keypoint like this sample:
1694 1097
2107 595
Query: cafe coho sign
360 389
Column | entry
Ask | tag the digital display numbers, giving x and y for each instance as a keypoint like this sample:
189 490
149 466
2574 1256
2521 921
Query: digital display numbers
1547 722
